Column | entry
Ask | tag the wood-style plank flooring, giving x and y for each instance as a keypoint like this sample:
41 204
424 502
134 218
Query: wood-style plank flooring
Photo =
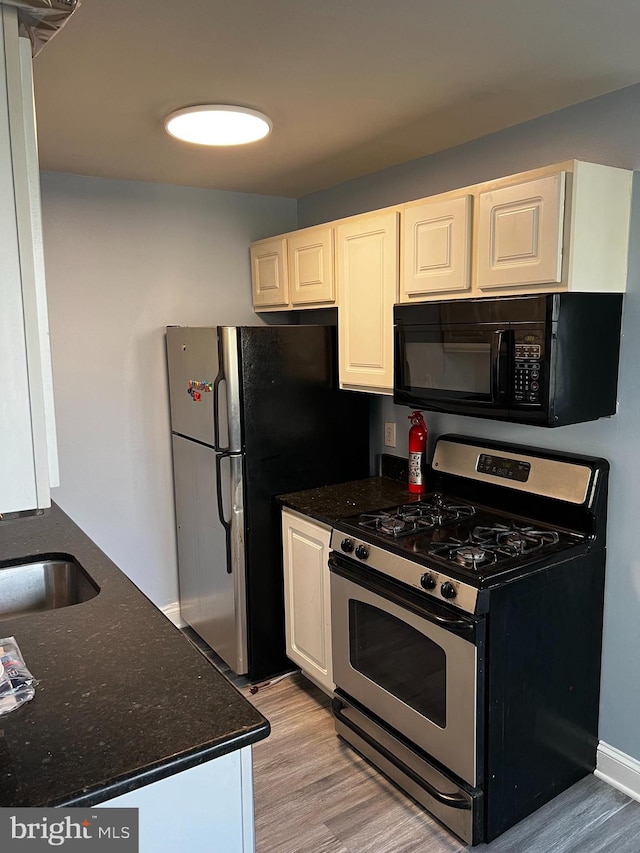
313 793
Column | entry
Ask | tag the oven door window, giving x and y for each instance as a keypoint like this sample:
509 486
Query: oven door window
452 362
400 659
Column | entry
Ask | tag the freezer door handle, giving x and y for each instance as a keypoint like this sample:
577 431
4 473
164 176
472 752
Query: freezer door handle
220 378
226 524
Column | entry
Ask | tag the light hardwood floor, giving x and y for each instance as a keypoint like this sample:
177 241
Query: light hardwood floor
313 793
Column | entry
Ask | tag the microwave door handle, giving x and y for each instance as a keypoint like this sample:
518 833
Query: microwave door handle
501 339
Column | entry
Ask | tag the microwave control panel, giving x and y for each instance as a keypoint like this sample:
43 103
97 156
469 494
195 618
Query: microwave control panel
527 372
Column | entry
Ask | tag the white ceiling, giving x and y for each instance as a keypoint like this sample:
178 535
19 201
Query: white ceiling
352 86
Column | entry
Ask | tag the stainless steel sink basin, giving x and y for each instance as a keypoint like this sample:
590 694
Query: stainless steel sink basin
44 584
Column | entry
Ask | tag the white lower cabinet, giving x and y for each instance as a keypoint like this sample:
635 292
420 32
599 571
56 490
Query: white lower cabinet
306 596
203 809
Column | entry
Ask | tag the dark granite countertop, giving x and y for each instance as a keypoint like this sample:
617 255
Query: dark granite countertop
123 699
331 503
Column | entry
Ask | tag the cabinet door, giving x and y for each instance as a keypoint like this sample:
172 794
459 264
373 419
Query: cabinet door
306 589
311 266
367 271
436 248
520 233
28 462
269 277
216 802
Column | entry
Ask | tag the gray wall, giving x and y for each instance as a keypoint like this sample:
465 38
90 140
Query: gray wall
605 130
123 260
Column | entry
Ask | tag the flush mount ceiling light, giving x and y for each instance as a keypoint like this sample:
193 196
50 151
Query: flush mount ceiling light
218 124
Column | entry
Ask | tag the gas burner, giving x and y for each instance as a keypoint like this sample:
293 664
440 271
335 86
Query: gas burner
392 526
383 522
469 554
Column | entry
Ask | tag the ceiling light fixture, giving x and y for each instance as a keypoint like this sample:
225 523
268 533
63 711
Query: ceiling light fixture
218 124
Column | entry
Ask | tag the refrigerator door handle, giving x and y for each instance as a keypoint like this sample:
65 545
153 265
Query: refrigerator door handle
220 378
238 555
226 524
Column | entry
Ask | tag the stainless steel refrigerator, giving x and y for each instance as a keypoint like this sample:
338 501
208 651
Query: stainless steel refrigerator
255 412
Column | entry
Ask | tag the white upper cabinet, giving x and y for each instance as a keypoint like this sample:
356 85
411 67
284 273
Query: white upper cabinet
28 461
367 249
269 274
563 227
295 270
311 266
520 234
436 247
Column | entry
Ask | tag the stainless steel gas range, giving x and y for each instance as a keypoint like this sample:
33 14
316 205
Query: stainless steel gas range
466 628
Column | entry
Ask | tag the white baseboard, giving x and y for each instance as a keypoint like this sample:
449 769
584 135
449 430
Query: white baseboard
172 612
620 770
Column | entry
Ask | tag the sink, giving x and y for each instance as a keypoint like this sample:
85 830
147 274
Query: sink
43 584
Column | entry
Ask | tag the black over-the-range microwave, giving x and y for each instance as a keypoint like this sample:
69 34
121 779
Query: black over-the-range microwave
549 359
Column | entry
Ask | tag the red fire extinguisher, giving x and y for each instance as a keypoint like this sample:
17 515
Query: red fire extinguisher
417 448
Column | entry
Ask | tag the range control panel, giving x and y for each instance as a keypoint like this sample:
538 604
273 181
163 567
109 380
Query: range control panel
527 373
418 575
502 466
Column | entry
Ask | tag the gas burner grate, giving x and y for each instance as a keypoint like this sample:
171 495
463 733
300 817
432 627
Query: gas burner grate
415 517
487 545
515 540
436 513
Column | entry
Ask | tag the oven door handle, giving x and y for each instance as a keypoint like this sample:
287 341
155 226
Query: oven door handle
453 801
446 622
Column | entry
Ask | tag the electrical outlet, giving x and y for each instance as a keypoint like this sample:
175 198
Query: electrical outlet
390 435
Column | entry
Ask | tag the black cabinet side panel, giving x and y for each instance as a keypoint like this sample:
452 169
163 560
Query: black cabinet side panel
544 653
300 431
584 368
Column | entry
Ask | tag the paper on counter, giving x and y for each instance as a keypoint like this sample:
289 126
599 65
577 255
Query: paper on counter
17 685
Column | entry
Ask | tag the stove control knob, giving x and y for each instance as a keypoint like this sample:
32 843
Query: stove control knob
347 545
362 552
448 590
427 581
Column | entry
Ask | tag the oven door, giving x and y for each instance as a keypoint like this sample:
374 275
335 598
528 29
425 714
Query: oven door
411 662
